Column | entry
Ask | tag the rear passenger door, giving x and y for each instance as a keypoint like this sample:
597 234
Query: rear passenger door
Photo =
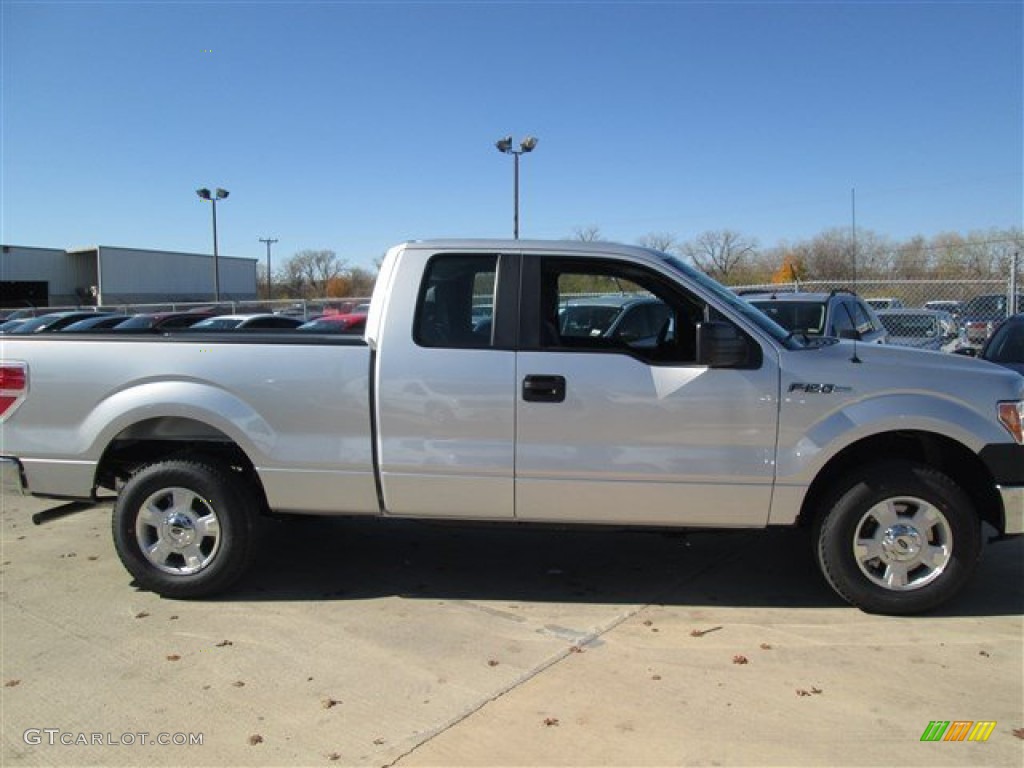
445 387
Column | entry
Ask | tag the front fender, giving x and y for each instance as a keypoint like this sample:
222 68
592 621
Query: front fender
804 448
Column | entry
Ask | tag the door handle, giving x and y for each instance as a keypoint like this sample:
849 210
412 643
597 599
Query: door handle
544 389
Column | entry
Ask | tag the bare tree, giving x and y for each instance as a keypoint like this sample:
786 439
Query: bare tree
659 241
719 252
589 234
309 272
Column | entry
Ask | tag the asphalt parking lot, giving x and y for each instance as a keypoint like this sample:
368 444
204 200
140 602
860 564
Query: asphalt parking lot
408 644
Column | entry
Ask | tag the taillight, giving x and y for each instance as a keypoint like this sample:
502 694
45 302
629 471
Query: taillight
13 387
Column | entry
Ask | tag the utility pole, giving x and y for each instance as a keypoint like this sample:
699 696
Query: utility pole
269 241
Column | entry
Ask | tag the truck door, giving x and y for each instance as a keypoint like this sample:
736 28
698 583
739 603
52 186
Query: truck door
623 426
445 386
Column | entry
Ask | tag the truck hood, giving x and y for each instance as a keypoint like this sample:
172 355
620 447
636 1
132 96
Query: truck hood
901 368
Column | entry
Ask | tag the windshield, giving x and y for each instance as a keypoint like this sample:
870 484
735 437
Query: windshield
138 321
797 316
218 323
735 303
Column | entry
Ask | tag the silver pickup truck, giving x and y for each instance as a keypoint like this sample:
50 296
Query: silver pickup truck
494 383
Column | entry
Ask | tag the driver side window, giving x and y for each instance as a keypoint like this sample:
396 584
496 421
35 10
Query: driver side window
605 306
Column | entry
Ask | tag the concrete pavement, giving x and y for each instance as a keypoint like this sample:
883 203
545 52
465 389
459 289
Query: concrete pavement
406 644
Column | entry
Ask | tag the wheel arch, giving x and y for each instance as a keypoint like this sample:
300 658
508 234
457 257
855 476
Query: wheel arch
958 462
162 438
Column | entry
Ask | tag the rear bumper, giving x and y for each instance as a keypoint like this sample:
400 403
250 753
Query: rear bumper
1013 509
12 478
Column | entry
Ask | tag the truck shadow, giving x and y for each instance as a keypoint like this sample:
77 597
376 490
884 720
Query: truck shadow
326 558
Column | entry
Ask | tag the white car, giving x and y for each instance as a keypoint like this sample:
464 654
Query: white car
238 322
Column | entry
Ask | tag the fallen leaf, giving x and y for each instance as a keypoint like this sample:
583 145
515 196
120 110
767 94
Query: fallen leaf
702 632
738 659
804 692
255 739
238 684
550 721
655 677
141 615
93 557
648 623
378 742
174 657
334 756
765 647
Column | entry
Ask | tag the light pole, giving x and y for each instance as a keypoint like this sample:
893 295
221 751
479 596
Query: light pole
269 242
505 146
218 194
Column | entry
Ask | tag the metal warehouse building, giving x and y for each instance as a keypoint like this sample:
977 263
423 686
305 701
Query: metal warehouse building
106 275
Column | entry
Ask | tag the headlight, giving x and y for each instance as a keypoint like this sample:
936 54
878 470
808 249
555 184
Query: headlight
1011 416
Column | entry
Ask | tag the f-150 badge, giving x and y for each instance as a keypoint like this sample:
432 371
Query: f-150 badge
818 389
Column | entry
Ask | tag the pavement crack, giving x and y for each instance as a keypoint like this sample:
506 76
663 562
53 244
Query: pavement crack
583 640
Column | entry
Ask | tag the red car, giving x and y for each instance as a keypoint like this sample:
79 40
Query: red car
350 322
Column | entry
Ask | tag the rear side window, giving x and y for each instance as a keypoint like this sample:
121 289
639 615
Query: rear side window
456 302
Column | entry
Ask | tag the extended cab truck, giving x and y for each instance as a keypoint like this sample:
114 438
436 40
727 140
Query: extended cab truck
893 457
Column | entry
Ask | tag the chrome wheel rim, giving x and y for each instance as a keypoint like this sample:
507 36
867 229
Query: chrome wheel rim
178 531
903 543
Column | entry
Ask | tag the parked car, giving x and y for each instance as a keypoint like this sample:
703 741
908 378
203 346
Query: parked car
23 314
839 314
885 302
91 324
8 326
919 328
945 305
243 322
980 316
630 318
164 321
1006 345
55 321
347 323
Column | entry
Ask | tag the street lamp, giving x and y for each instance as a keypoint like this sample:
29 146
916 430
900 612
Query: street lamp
218 194
505 146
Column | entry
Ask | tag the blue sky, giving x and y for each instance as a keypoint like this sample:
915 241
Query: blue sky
355 125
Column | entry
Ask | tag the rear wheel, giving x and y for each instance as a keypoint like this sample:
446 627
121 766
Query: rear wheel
185 528
898 538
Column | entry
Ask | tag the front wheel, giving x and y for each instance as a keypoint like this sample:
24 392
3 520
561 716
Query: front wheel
184 528
898 538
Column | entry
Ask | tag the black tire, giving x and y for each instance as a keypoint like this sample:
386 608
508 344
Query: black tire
898 538
185 529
